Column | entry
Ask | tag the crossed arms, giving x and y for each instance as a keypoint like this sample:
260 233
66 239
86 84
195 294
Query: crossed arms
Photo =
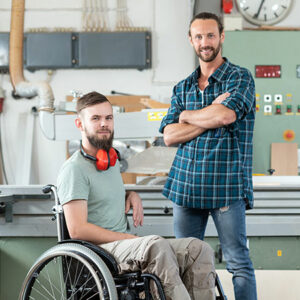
193 123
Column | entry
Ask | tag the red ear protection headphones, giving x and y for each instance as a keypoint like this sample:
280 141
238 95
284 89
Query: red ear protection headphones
104 159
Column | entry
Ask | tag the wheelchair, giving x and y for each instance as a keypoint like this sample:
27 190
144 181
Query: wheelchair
76 269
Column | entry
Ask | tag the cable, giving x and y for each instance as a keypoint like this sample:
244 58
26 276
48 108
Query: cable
1 153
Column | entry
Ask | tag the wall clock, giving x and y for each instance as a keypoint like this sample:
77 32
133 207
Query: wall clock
264 12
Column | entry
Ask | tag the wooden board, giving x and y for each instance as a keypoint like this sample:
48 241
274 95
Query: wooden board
130 103
284 159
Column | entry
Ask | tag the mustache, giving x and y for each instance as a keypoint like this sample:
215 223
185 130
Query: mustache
207 48
104 131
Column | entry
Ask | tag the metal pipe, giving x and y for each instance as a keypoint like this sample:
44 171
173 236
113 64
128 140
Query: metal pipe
16 42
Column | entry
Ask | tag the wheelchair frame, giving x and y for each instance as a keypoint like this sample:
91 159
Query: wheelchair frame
76 269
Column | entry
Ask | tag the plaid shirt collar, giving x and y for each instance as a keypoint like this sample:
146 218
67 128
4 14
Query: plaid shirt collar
218 75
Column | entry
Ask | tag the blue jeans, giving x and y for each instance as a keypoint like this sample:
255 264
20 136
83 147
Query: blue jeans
231 227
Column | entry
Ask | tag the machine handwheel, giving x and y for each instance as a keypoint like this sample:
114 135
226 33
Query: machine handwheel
69 271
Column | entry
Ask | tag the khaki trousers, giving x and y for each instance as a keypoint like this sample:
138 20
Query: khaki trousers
185 266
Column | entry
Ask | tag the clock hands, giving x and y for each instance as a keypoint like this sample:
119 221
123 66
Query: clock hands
259 9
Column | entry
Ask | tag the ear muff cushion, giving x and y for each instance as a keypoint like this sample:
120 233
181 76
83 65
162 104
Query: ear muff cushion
113 156
102 162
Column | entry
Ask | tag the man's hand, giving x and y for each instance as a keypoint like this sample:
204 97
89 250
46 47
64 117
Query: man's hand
221 98
133 200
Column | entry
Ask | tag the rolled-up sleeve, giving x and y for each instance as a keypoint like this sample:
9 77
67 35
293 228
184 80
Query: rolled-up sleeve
174 111
241 87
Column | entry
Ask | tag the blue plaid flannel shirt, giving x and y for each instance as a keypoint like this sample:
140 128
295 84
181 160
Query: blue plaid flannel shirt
214 169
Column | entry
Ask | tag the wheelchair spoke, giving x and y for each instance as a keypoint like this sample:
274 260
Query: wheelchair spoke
67 275
49 280
92 296
77 276
52 285
44 283
90 289
84 288
60 264
45 297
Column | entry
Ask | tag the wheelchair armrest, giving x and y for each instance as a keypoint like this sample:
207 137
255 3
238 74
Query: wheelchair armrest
108 258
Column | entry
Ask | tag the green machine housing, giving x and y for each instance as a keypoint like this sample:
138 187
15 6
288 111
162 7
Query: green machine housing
272 48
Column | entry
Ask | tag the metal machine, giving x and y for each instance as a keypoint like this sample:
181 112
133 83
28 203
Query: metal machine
273 226
272 58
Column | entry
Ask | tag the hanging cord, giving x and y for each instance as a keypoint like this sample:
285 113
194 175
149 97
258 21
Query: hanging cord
1 153
84 15
94 16
103 15
2 97
123 22
87 15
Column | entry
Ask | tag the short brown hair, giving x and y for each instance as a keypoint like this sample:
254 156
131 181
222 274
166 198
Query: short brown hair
207 16
89 99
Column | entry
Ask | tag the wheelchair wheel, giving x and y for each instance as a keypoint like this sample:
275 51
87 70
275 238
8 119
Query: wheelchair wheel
69 271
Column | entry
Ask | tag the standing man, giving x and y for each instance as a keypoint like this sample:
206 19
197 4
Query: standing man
211 119
95 204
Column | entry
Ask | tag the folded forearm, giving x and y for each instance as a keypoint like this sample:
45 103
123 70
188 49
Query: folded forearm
179 133
96 234
212 116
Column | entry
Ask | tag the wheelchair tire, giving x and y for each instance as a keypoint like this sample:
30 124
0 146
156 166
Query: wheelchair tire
69 271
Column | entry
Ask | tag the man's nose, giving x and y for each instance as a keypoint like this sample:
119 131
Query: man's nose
205 41
103 123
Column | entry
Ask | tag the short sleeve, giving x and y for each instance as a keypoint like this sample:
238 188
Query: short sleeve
174 111
241 87
72 184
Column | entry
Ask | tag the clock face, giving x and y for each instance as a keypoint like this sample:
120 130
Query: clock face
264 12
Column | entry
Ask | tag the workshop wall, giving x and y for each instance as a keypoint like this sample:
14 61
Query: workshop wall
172 60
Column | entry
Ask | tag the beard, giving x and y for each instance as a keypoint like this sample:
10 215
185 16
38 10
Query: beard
215 52
104 143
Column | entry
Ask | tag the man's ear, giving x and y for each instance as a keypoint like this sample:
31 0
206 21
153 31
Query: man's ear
78 123
191 41
222 37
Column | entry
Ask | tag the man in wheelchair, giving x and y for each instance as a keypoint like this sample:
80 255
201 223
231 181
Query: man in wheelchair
95 204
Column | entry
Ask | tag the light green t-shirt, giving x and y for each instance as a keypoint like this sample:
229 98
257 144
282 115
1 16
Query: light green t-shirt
104 191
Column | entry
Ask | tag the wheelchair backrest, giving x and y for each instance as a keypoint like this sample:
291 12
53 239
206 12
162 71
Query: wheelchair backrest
64 233
62 229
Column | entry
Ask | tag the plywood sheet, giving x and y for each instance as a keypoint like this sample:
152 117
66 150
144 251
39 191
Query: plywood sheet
129 103
284 159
